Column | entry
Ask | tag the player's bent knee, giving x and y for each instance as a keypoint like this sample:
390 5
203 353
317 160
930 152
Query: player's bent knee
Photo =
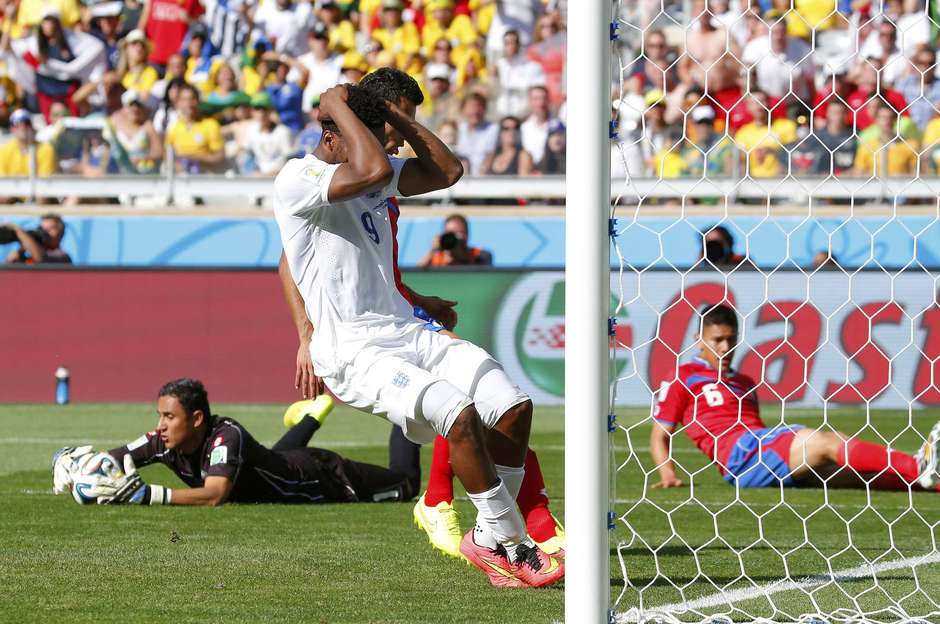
516 417
495 396
443 405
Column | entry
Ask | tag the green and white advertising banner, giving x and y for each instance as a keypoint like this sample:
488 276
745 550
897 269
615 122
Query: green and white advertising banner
811 339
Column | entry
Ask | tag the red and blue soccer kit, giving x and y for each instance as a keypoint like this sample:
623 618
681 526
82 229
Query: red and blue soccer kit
722 417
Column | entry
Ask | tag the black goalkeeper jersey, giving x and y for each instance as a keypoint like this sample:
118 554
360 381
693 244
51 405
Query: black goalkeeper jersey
259 475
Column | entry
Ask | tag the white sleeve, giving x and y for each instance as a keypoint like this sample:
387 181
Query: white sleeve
302 186
391 189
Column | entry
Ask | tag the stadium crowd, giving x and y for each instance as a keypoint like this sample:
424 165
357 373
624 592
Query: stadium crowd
766 88
233 86
719 88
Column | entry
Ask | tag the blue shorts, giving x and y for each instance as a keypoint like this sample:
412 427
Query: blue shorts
760 458
429 323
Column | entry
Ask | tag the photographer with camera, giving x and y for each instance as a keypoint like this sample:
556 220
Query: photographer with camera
718 248
451 247
38 246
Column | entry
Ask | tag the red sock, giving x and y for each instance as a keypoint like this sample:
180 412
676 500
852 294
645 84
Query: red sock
870 458
441 476
533 502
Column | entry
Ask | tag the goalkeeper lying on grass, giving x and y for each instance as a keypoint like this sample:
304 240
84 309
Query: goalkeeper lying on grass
717 408
221 462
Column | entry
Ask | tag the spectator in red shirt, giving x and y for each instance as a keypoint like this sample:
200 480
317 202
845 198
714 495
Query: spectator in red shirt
549 51
166 22
837 84
868 87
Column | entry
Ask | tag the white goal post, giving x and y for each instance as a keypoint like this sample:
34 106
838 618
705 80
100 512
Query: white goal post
848 340
587 258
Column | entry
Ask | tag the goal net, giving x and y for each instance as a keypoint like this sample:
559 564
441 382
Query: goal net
779 157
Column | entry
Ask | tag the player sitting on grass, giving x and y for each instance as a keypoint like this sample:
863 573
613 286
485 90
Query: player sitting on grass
434 512
221 462
332 211
718 409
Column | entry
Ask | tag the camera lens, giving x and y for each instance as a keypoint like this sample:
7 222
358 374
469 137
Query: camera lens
716 251
448 241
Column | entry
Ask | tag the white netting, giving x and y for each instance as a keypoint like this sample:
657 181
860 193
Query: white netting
780 157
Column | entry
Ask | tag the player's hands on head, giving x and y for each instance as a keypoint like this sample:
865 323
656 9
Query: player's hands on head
333 97
668 482
305 379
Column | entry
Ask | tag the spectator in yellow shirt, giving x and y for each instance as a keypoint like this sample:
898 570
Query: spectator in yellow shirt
135 72
196 140
30 12
15 154
931 146
342 32
201 69
397 36
444 24
763 144
888 154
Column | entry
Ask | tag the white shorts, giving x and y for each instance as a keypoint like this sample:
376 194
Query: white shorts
391 380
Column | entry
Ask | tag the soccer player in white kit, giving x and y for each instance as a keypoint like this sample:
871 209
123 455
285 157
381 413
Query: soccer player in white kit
369 349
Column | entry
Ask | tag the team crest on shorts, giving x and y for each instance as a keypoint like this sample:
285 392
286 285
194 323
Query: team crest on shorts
401 380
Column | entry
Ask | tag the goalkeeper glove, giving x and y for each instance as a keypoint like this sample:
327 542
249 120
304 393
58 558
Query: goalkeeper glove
66 463
131 489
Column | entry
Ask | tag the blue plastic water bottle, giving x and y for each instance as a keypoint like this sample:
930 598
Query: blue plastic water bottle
62 385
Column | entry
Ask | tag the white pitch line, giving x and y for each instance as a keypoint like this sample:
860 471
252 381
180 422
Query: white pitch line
783 585
848 506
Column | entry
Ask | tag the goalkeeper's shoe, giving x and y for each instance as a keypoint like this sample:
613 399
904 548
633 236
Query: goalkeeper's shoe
317 408
536 568
442 524
928 460
494 563
554 545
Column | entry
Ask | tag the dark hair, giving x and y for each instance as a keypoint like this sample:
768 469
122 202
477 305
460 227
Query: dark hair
187 87
479 97
43 44
190 393
719 315
541 88
367 107
51 216
518 142
393 84
458 217
725 233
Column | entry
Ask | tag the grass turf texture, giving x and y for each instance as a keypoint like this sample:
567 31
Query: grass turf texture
367 563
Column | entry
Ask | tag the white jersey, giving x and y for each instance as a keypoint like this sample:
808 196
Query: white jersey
340 256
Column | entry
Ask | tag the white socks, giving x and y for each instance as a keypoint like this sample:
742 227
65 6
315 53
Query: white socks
512 477
498 518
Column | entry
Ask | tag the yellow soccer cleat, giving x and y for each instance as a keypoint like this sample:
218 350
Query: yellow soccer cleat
555 546
442 524
317 409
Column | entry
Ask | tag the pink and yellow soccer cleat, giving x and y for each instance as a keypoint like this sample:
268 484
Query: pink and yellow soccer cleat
554 546
536 568
494 563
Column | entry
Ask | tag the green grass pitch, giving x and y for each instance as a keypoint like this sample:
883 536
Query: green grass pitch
367 563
